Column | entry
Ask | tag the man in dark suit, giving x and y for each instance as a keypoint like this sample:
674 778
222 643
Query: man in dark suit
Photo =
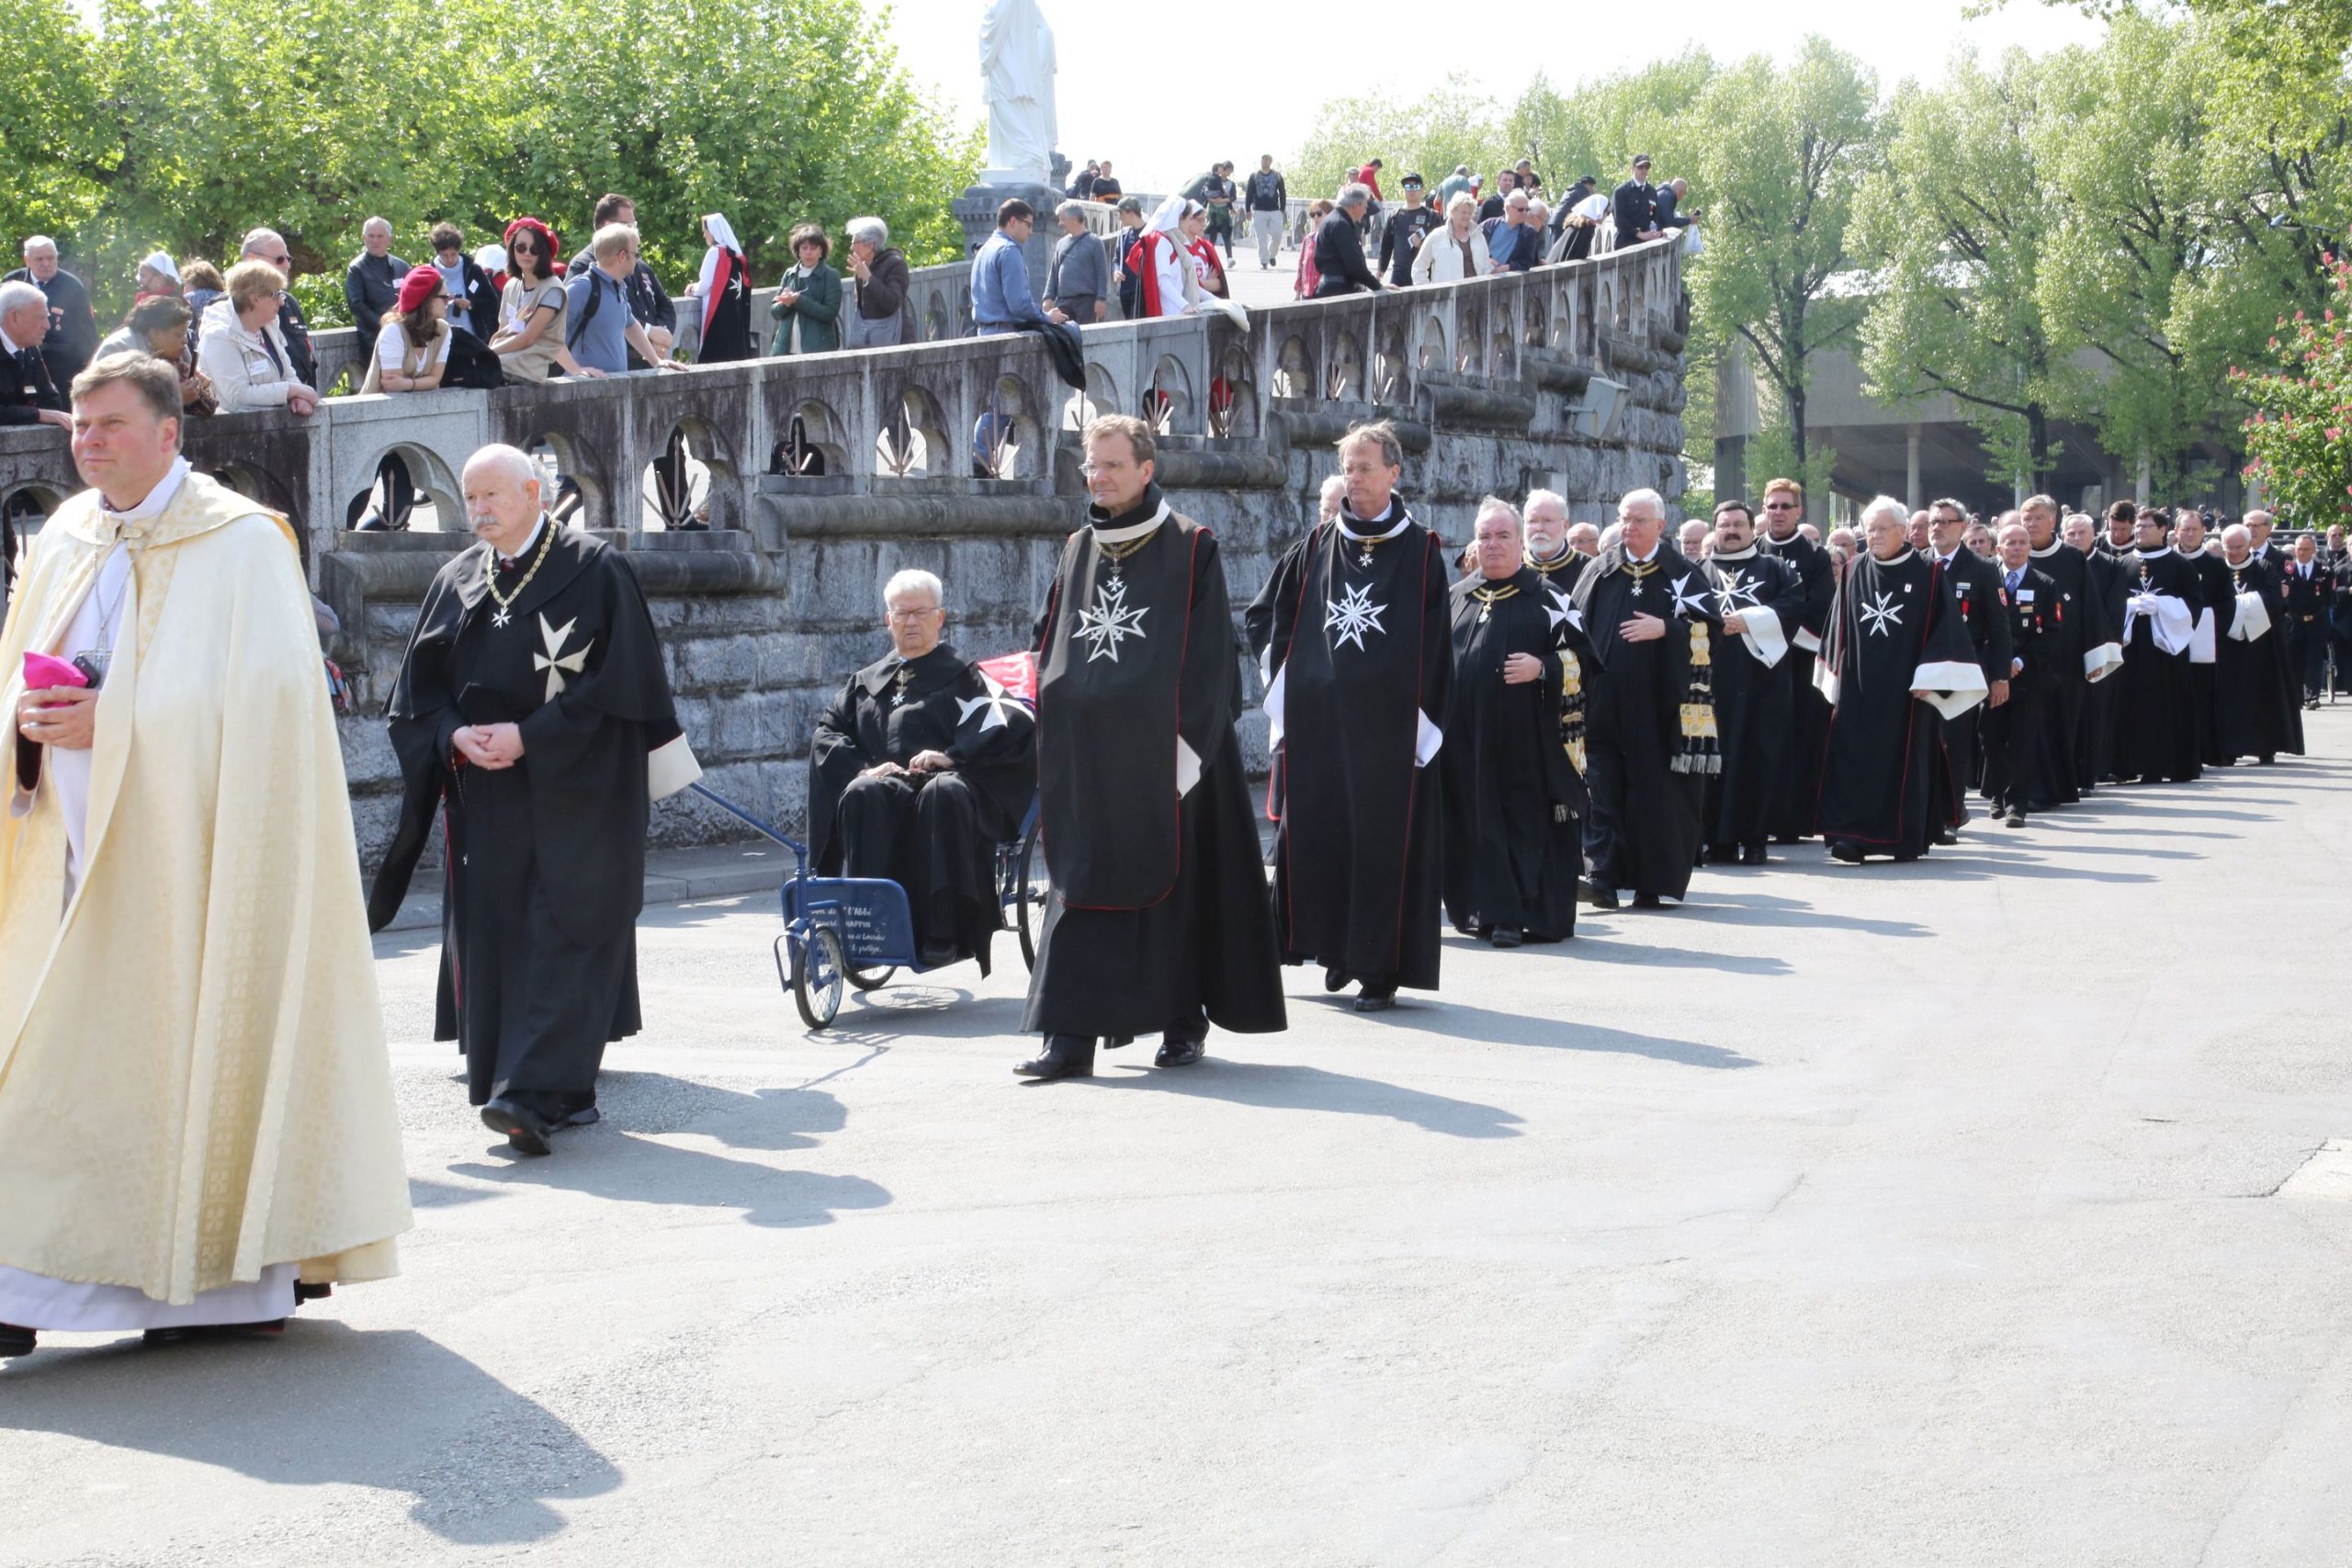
1338 248
2014 733
1634 206
1663 215
1977 584
2308 589
72 338
29 392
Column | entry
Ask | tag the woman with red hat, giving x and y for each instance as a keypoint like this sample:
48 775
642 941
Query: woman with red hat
530 337
412 349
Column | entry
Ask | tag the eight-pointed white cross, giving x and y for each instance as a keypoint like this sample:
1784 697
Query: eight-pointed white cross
555 662
1882 614
1103 627
1351 616
996 700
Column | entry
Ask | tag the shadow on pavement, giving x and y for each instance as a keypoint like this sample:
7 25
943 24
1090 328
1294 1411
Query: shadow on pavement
1272 1087
1770 909
314 1409
1613 951
1466 1022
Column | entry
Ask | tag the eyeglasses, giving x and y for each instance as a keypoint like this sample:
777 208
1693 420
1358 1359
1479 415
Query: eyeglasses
280 261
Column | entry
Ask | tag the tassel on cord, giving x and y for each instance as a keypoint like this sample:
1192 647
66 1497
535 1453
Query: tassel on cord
1702 751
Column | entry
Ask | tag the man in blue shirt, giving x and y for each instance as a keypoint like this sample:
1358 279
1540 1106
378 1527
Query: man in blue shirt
1001 301
599 330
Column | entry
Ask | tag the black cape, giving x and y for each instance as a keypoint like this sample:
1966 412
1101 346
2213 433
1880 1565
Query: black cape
1512 799
726 324
1359 663
1896 626
2155 716
1797 792
1159 910
945 703
2261 693
1643 829
2105 588
1755 718
2216 590
546 867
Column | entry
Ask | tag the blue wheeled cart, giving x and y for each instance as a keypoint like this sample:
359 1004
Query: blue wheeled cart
857 931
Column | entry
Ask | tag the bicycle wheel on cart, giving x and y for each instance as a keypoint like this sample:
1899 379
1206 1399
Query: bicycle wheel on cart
818 974
1029 894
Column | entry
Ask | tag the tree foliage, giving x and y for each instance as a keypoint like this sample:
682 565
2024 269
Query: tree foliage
2296 436
182 123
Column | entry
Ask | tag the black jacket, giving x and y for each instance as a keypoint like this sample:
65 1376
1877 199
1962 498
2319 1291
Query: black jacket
1338 256
1400 239
2033 615
27 387
371 287
1977 584
296 331
1266 192
1662 214
73 337
1634 206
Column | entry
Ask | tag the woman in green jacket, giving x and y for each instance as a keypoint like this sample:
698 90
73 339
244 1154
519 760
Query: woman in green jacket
808 304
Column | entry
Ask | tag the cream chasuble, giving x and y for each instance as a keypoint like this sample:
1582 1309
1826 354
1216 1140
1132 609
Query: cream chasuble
193 1079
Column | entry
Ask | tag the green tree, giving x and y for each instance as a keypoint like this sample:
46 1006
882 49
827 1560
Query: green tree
1777 157
1430 130
1956 221
52 122
2296 436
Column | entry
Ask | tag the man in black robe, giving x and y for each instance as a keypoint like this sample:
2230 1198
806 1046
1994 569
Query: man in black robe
2086 652
532 712
1761 599
1353 638
72 340
919 770
1897 664
1797 793
1976 584
2259 701
1648 748
1512 798
2013 733
2155 721
2106 589
2217 608
1549 555
1157 922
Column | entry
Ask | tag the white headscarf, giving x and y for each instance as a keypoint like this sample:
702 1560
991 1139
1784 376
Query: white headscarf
1166 215
722 235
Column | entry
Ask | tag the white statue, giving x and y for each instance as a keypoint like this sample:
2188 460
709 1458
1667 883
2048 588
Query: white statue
1017 72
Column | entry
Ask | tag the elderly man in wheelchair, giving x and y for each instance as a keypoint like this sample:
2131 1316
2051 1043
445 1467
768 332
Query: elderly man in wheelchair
921 767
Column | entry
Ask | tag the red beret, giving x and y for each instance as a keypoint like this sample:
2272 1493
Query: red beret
420 284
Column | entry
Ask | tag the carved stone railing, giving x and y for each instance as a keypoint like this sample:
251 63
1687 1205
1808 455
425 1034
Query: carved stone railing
827 472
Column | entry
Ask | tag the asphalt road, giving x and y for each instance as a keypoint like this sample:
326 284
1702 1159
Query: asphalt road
1891 1215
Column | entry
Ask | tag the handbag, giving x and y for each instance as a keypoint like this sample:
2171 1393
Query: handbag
471 364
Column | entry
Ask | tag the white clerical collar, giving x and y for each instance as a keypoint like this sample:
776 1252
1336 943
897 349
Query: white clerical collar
1134 530
1633 559
537 528
1782 538
2240 565
155 500
2157 554
1748 554
2045 551
1402 517
1896 560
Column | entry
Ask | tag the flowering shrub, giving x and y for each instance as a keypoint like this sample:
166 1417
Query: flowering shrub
2295 439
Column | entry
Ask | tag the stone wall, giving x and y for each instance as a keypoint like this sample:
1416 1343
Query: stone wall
1568 377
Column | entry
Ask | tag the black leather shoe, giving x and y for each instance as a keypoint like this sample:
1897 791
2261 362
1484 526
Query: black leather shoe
1505 936
1334 978
1947 836
1754 856
273 1329
1597 896
526 1130
1851 853
1648 901
1114 1042
1370 1000
1177 1052
936 954
2014 819
16 1341
1064 1056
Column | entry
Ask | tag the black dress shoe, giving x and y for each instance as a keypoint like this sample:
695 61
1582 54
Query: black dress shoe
1648 901
2013 818
1334 978
1754 856
16 1341
1114 1042
1846 851
272 1329
1784 838
1372 1000
526 1130
1597 896
1505 936
1064 1056
1180 1052
1947 836
936 954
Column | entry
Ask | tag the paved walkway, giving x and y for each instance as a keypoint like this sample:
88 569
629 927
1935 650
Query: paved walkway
1898 1216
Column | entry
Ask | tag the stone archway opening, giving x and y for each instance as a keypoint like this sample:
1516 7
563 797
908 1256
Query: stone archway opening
1006 444
687 488
912 441
814 444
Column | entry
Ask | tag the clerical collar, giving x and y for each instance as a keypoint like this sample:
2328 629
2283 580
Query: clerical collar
536 529
1633 559
1748 554
1132 524
1370 524
1783 538
2050 548
2157 554
152 503
1896 560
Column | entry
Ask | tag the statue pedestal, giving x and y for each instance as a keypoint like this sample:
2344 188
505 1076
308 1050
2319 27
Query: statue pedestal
975 211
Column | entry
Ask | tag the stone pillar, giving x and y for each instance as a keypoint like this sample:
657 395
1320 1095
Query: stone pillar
975 211
1911 496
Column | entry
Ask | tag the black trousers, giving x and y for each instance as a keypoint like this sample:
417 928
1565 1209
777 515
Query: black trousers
2308 637
2013 736
925 835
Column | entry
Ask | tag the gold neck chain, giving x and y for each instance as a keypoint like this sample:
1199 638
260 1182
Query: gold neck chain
505 601
1489 597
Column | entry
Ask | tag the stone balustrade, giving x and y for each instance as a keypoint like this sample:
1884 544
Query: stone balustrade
828 472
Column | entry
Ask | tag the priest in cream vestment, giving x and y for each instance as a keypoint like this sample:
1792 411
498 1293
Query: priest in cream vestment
196 1108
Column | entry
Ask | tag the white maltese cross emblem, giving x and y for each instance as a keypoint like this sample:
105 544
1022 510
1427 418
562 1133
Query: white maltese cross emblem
555 662
1103 626
1351 616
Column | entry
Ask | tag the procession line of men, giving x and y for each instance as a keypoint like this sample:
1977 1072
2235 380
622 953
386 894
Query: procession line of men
183 938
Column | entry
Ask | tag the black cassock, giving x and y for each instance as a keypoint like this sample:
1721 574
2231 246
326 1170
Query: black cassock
2085 638
2107 587
1897 628
545 871
1755 720
1977 584
1513 801
934 834
2260 693
1359 663
1158 909
1643 829
2155 717
1798 790
2218 611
